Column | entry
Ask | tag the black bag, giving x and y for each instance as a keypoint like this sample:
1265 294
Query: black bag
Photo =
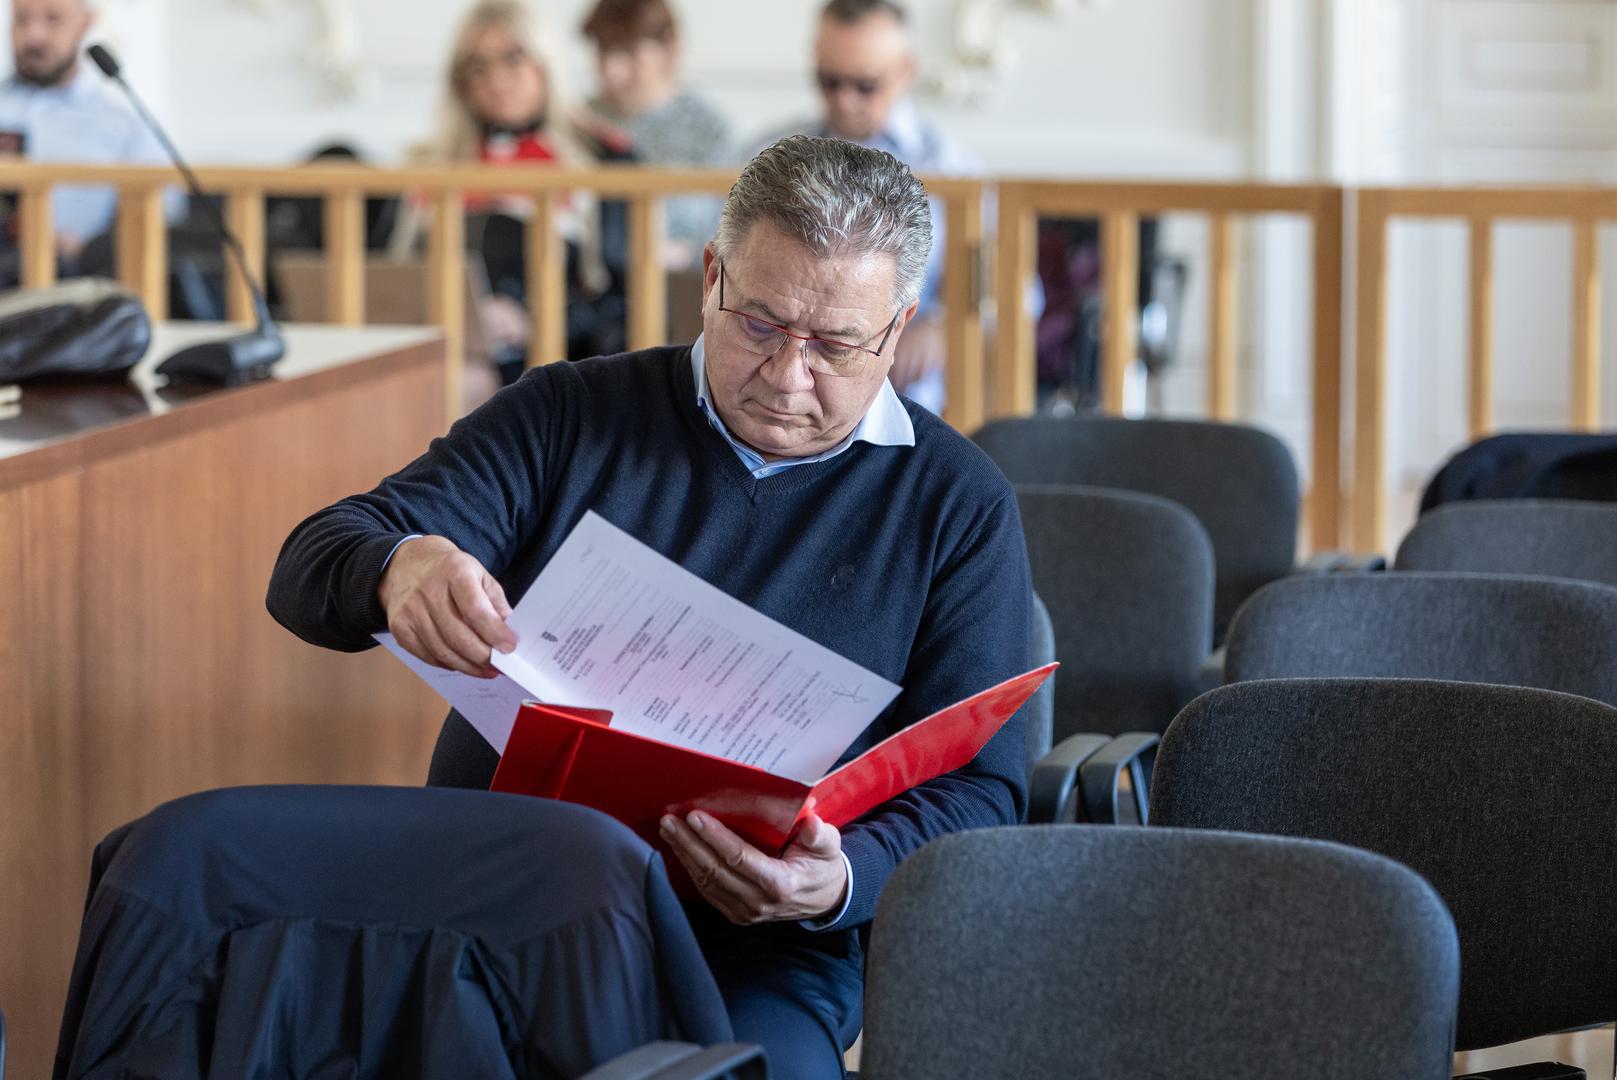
86 328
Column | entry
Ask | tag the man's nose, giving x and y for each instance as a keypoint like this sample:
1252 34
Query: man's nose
788 370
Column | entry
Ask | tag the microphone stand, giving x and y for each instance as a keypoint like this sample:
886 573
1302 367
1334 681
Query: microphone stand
247 356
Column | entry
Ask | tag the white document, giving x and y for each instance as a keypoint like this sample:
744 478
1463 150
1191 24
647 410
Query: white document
611 624
489 705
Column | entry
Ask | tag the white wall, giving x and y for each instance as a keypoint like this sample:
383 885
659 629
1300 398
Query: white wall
1135 87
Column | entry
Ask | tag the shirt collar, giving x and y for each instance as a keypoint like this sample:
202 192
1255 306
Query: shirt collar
82 85
885 423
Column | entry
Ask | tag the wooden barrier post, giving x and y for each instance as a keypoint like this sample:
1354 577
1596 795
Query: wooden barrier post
1120 290
963 330
1479 384
345 257
1326 495
37 236
142 241
244 209
1015 376
1370 383
1585 325
446 292
547 284
648 280
1221 400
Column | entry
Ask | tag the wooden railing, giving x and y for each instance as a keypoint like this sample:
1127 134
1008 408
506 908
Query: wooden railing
1119 206
1481 209
981 381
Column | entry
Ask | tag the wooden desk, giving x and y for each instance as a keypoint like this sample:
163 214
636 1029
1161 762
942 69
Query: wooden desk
138 526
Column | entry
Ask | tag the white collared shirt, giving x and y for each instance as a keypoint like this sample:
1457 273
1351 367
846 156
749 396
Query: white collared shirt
885 423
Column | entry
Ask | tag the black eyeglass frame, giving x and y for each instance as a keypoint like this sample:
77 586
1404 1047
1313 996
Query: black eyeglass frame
877 351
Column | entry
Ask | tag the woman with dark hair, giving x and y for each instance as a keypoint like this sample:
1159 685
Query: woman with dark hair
637 51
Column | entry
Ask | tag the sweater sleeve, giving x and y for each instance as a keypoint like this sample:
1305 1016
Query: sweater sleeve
975 632
480 486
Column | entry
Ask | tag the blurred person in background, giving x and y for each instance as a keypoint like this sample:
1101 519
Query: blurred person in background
637 54
504 104
54 108
865 68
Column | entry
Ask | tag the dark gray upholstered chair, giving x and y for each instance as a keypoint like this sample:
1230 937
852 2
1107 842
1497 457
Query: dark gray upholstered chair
1240 483
1129 583
1041 706
1521 631
1144 953
1551 537
1501 797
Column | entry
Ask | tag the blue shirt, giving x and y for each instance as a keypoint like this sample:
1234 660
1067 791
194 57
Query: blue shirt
80 122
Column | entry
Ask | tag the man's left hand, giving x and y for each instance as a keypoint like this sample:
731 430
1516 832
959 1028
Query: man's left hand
808 880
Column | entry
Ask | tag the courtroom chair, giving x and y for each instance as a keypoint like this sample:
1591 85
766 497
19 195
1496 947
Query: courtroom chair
1500 796
1549 633
1520 464
383 932
1555 538
1238 481
1129 583
1133 954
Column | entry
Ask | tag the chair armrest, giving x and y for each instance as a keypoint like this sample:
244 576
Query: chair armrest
1540 1070
1052 796
685 1061
1107 800
1339 562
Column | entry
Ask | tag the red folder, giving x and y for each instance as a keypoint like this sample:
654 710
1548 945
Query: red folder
576 755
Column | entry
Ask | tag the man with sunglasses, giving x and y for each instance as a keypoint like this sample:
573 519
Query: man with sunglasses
864 67
773 459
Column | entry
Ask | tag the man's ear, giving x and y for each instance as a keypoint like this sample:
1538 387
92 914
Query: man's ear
906 315
710 270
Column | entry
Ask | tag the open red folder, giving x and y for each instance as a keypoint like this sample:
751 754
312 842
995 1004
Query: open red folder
576 755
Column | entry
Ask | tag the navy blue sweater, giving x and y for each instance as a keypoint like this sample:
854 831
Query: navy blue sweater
907 560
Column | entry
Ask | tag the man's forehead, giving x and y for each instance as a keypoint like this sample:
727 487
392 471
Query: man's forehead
877 35
51 7
829 294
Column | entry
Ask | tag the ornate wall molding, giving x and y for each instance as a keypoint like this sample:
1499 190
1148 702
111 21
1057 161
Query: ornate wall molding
979 57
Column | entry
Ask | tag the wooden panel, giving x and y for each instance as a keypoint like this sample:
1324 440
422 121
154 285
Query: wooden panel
196 687
1014 379
1120 288
345 256
1585 326
1326 497
547 285
38 237
143 248
446 293
44 861
648 280
1221 401
1479 388
245 211
1370 384
962 304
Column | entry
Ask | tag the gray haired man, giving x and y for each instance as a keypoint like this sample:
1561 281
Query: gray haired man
774 459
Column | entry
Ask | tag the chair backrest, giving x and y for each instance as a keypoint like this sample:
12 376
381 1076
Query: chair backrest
1501 797
1240 482
1114 952
1129 582
1516 536
1520 631
1040 708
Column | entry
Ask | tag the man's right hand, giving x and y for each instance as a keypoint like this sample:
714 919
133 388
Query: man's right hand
444 608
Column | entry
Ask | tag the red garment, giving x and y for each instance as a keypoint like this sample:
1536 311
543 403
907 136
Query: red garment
505 148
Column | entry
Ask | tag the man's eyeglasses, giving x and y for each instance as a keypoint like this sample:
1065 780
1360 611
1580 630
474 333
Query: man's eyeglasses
764 338
478 65
832 84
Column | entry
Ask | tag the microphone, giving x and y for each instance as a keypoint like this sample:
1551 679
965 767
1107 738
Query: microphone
238 359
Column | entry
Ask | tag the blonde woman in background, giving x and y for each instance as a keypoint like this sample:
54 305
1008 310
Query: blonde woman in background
504 105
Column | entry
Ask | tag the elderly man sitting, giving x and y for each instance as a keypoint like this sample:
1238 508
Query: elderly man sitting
773 459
